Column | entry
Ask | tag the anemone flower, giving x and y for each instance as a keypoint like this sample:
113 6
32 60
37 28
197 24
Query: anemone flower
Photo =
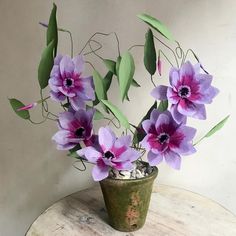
165 139
189 90
74 128
112 153
66 81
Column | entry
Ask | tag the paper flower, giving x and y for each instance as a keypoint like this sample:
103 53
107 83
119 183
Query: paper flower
67 81
165 139
112 153
74 128
188 92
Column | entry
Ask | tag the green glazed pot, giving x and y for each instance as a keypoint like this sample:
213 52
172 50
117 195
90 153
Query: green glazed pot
127 201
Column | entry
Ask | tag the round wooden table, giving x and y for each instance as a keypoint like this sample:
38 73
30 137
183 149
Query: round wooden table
173 212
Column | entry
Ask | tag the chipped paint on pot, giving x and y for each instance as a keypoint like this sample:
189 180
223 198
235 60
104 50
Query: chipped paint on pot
127 201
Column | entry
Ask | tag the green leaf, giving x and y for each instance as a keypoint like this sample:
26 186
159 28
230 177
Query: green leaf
96 101
126 73
157 25
163 106
117 113
52 34
111 65
99 87
45 65
107 80
118 66
138 136
98 115
135 83
217 127
150 53
16 104
214 129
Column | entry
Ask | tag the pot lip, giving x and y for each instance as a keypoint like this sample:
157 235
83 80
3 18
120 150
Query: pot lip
145 178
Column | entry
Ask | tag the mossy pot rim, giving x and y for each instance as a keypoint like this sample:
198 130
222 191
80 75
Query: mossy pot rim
150 176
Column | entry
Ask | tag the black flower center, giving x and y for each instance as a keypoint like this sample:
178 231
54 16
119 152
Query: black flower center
163 138
109 155
184 92
69 82
79 132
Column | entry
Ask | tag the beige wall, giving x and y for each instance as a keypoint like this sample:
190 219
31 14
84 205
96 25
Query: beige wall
33 174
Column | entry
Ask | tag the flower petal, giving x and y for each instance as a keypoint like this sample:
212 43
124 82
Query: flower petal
174 77
77 103
172 96
129 155
91 154
172 159
106 138
154 159
66 66
100 172
186 70
159 93
61 137
178 117
79 64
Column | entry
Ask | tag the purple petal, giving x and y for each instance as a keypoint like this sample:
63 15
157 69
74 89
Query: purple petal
144 143
186 107
106 138
66 119
123 165
154 115
91 154
88 91
178 117
58 97
57 59
173 159
129 155
79 64
66 66
172 96
100 172
77 103
154 159
189 132
67 146
200 112
61 137
197 68
159 93
184 149
162 119
147 125
174 77
186 70
124 140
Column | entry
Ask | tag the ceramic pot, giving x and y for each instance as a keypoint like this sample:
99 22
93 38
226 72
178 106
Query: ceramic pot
127 201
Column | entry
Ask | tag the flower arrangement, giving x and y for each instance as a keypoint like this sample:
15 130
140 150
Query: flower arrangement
163 132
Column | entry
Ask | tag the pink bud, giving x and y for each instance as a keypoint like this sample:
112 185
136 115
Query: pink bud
159 65
28 107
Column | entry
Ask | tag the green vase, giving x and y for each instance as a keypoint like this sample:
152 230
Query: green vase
127 201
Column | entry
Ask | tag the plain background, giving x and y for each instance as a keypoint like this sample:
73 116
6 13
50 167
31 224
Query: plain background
33 174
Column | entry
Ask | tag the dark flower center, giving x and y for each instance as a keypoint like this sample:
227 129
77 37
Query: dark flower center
184 91
69 82
79 132
109 155
163 138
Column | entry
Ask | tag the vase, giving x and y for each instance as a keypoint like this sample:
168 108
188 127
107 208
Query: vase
127 201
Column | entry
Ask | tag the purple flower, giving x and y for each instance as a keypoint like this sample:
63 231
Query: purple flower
67 81
112 153
188 93
166 139
74 128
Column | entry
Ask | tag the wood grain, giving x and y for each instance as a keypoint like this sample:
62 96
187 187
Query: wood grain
173 212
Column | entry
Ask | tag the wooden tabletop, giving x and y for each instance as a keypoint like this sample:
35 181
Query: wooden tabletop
173 212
